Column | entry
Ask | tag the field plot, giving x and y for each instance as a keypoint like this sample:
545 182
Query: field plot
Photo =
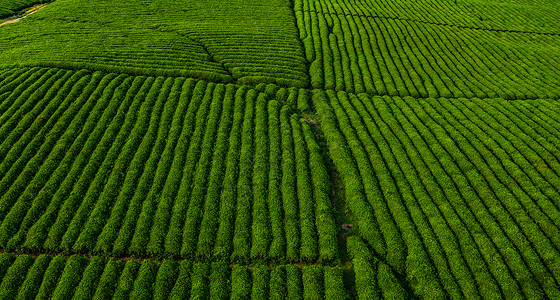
280 149
248 42
374 279
352 50
122 165
76 277
460 196
504 15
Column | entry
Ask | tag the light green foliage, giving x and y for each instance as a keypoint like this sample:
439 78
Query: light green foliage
235 41
15 276
462 48
463 186
79 277
134 180
183 149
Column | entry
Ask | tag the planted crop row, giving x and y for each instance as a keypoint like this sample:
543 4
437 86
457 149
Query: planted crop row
121 165
356 53
460 196
375 279
194 39
75 277
525 16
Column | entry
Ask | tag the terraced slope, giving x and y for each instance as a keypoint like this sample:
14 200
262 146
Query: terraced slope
532 16
107 163
461 196
78 277
355 47
307 149
247 42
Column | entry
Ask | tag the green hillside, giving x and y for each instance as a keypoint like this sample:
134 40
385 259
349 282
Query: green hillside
237 41
9 8
282 149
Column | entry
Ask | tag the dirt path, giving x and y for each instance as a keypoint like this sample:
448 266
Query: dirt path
28 13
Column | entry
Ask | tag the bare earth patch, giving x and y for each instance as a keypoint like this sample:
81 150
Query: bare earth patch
29 12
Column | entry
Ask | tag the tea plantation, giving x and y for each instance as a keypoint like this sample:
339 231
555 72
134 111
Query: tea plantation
281 149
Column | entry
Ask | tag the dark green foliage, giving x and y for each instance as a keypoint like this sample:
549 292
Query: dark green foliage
289 193
240 283
20 86
130 195
166 278
30 287
324 221
98 217
364 264
163 167
334 284
203 168
145 281
275 205
313 282
17 218
70 277
162 154
278 287
164 211
390 287
241 237
61 200
182 286
223 243
126 280
9 8
200 288
305 194
260 228
366 279
90 278
6 260
95 192
162 38
345 164
202 98
219 281
108 280
294 283
457 186
79 277
225 190
51 277
260 283
42 210
303 101
15 276
11 168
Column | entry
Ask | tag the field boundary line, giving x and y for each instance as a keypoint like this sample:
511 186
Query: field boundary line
341 265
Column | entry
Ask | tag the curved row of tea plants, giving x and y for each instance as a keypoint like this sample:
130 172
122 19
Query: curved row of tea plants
235 41
374 278
523 16
459 196
78 277
356 53
121 165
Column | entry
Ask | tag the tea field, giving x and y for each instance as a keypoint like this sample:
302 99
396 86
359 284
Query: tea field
282 149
